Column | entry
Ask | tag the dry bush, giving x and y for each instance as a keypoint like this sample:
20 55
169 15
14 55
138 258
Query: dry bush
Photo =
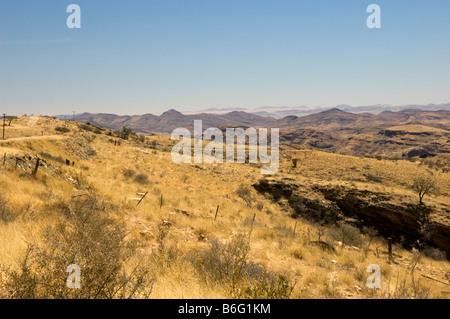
48 155
88 237
153 144
228 264
168 253
434 253
6 216
141 179
62 129
128 173
244 193
86 127
407 289
347 234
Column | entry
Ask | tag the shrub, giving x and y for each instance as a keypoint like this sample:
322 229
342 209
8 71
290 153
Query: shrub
6 216
87 237
244 193
267 285
50 156
260 205
434 253
223 261
125 133
298 254
140 138
62 129
347 234
227 263
86 127
128 173
141 179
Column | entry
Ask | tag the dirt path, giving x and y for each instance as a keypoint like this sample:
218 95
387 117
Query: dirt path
16 139
33 121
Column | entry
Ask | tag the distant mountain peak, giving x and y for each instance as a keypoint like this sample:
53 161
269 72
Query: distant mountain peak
171 112
334 110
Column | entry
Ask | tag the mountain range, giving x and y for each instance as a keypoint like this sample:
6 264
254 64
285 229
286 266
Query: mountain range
405 133
280 112
333 119
168 121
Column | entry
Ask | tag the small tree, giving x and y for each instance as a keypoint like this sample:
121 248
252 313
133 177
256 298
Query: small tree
126 132
244 193
422 186
10 119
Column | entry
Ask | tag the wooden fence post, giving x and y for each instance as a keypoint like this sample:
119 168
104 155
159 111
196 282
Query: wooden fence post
140 199
390 247
217 210
251 227
36 167
4 124
161 203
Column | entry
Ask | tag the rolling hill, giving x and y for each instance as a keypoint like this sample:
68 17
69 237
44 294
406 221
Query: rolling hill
172 119
195 219
334 130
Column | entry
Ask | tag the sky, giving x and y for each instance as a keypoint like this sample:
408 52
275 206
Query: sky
148 56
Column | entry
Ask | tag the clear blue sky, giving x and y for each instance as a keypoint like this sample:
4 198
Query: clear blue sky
134 57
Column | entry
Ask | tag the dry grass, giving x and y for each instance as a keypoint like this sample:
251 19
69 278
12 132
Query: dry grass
190 196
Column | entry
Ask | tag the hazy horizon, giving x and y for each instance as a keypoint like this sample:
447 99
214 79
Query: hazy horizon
375 109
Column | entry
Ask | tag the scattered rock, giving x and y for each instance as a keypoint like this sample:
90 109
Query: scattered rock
146 234
166 223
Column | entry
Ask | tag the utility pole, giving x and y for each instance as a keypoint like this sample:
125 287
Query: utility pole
4 124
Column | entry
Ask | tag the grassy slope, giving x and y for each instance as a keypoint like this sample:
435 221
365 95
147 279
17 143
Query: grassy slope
198 189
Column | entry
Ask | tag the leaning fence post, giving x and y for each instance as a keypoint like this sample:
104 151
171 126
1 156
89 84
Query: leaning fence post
217 210
36 167
140 199
251 227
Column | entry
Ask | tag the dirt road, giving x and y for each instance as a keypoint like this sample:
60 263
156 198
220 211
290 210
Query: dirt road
17 139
